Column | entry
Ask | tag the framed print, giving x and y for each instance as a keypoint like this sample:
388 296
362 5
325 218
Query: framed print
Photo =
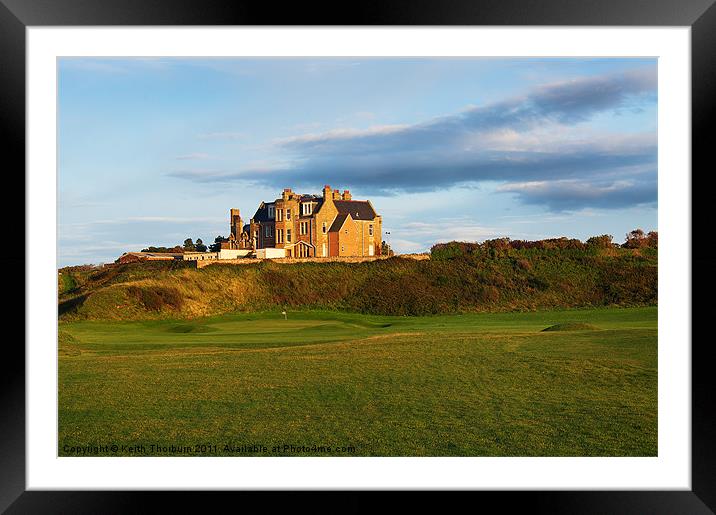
413 249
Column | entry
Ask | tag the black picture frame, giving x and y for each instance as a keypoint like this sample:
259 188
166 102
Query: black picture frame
700 15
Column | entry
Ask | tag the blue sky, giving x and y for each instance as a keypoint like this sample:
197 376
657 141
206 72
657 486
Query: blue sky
155 150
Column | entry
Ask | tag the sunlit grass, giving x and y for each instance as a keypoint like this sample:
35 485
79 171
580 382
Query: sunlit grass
457 385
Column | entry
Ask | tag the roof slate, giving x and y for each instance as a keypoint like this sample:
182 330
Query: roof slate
261 214
358 209
338 222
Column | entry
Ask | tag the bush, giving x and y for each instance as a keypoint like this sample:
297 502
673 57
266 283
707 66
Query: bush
523 264
155 298
635 239
489 294
453 249
500 246
497 275
601 242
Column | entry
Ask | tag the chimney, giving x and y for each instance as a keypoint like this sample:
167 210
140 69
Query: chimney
235 223
286 193
336 195
346 195
326 192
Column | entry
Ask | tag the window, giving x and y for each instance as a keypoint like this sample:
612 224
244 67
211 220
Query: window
279 214
307 208
370 229
343 248
279 236
304 227
288 214
324 250
270 211
267 231
288 235
324 227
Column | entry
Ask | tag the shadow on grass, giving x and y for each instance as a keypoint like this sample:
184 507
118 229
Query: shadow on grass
71 305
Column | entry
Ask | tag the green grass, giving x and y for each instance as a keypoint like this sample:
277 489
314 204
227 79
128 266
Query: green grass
456 385
571 326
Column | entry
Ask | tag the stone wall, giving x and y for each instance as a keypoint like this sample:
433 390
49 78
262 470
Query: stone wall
346 259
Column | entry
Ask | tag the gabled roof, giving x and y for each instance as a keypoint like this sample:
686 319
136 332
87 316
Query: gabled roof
358 209
338 222
261 214
311 198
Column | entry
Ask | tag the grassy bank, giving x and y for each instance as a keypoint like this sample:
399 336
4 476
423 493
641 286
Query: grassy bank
489 281
364 385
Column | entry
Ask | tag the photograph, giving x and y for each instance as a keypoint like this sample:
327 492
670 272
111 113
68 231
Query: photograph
377 256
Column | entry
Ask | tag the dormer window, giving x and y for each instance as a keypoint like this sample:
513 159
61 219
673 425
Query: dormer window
271 211
307 208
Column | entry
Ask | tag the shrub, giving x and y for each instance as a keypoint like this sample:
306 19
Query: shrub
538 283
461 276
155 298
601 242
489 294
635 239
523 264
453 249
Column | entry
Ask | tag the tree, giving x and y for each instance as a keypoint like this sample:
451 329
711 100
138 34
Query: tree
216 246
189 245
635 239
652 239
385 249
200 247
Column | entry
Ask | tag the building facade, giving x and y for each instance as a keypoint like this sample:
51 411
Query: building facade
239 238
327 225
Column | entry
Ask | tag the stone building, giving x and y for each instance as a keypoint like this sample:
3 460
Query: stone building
328 225
239 238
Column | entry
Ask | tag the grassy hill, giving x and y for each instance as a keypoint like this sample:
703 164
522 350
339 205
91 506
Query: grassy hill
457 279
